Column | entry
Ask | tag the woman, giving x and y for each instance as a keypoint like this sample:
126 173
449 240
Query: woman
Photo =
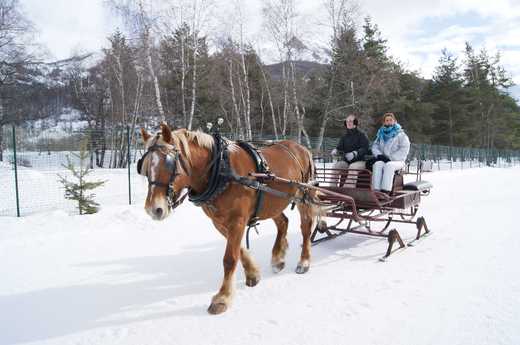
390 150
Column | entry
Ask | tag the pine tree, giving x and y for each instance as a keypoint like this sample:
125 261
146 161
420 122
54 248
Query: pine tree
78 190
451 119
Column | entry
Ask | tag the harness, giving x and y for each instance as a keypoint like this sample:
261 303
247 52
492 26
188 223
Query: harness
220 176
262 168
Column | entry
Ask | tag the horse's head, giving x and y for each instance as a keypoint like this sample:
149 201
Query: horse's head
168 172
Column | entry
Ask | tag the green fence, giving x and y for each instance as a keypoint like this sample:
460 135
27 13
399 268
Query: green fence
31 161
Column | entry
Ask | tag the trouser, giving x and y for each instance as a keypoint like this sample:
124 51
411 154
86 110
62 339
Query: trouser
339 180
383 174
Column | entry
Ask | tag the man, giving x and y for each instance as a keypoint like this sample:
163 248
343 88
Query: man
352 147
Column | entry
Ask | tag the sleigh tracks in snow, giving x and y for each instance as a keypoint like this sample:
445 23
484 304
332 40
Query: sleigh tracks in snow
350 205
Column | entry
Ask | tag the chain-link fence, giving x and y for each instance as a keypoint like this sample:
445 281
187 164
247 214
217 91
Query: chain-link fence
32 185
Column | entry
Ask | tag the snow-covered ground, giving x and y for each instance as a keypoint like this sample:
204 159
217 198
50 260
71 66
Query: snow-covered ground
117 277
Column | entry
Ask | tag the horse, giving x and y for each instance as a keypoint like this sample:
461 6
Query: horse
180 160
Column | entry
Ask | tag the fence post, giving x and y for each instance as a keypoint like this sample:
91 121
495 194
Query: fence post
128 164
16 173
451 157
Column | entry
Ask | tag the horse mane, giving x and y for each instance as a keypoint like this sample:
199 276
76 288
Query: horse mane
182 138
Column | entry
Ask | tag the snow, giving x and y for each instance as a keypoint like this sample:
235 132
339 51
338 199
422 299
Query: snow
117 277
36 195
60 126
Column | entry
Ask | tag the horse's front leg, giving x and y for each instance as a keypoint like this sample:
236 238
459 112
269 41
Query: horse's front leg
251 270
222 300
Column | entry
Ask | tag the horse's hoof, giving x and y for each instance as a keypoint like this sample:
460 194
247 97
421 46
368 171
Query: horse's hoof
302 269
217 308
278 267
252 281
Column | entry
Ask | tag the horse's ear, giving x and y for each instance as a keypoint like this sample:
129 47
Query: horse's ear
166 132
145 135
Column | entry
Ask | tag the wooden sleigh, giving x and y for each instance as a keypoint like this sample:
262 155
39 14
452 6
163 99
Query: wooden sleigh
353 206
347 197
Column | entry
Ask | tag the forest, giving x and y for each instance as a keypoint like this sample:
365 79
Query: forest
169 64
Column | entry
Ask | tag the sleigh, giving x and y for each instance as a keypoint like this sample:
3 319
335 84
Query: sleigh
353 206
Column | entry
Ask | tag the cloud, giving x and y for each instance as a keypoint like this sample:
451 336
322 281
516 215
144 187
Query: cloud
417 31
65 26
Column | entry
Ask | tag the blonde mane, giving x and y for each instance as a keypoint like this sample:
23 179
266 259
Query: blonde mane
183 137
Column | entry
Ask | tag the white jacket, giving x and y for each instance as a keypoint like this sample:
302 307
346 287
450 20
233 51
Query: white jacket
396 148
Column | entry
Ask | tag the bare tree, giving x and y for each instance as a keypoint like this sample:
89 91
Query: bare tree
140 18
15 31
341 14
196 14
280 21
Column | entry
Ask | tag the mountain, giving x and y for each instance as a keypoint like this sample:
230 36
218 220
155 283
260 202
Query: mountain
302 67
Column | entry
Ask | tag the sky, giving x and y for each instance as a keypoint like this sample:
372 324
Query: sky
416 31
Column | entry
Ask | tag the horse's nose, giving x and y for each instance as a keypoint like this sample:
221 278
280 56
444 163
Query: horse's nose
158 212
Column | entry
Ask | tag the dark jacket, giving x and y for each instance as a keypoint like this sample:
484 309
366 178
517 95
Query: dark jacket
354 140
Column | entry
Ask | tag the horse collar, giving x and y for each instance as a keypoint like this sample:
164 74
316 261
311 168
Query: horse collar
220 170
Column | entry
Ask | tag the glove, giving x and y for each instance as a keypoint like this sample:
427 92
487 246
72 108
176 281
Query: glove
383 158
349 156
334 152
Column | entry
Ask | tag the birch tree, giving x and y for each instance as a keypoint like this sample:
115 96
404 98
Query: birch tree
196 14
140 18
340 20
280 21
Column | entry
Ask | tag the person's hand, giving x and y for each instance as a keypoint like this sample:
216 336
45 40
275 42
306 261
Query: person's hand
383 158
349 156
334 152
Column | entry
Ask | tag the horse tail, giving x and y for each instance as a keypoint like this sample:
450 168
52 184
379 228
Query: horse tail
312 196
311 168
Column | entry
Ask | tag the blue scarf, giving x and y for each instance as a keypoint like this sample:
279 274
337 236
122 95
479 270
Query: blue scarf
387 133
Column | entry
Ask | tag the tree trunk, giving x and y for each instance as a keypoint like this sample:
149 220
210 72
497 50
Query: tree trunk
304 131
137 106
247 124
1 142
233 98
262 112
183 80
273 115
247 114
450 122
146 41
299 117
285 100
325 117
194 82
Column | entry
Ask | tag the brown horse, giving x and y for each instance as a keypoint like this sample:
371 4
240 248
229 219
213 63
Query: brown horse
182 159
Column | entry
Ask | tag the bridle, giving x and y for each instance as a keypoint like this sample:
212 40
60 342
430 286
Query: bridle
172 157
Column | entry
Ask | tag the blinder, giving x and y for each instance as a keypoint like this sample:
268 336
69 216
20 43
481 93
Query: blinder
170 162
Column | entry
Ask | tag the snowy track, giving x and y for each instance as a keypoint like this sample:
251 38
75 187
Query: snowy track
117 277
